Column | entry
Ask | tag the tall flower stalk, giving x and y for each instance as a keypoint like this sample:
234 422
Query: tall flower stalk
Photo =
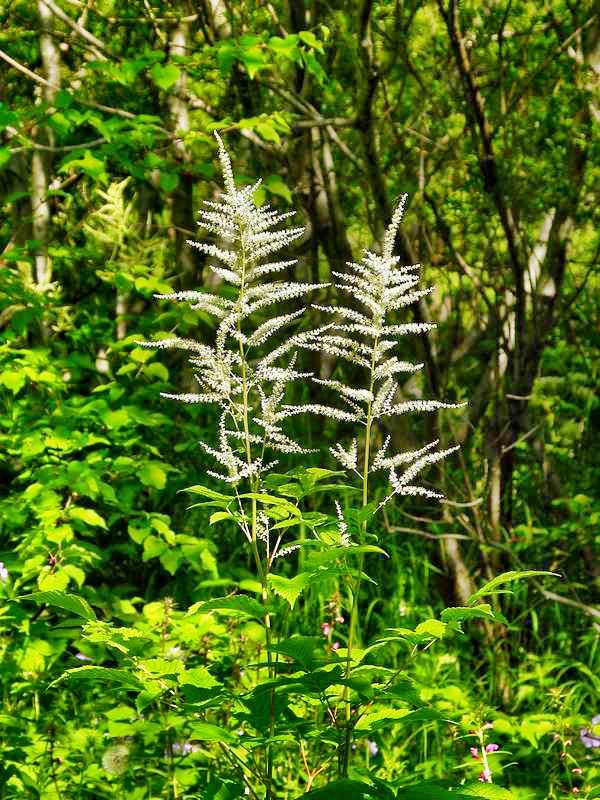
367 337
239 373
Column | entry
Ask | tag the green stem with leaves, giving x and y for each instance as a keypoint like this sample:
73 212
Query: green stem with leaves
344 761
262 569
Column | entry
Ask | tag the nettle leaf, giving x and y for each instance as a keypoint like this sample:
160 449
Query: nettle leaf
488 790
199 677
350 790
464 613
301 649
432 627
100 675
237 604
290 589
443 791
506 577
68 602
386 717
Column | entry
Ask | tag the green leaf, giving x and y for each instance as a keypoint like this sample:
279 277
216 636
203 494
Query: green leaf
116 419
301 649
168 181
165 77
237 603
286 47
51 581
218 516
199 677
349 790
461 613
100 675
507 577
254 59
276 186
311 40
68 602
87 515
171 559
156 370
152 474
487 790
89 164
432 627
153 547
268 499
442 791
290 588
386 717
13 380
205 732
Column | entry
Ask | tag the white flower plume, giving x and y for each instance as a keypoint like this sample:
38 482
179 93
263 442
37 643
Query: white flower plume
248 386
367 338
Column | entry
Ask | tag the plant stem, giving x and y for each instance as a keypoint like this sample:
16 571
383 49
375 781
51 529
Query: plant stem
262 570
345 759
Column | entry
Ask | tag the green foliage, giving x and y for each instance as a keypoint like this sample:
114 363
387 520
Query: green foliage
141 655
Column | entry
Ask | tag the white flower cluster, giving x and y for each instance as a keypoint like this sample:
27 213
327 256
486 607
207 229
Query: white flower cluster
249 391
366 338
250 387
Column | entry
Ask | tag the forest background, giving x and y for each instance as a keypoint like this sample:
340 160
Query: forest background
487 114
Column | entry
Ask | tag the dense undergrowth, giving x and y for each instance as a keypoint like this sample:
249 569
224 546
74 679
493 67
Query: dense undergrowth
135 657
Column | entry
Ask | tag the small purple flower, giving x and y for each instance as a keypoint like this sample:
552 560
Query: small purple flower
336 646
485 776
588 737
82 657
474 752
3 573
327 628
373 749
491 748
184 748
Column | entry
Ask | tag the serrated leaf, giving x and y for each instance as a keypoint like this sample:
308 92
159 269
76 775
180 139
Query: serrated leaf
432 627
506 577
289 588
377 720
301 649
199 677
100 675
461 613
487 790
349 790
68 602
239 604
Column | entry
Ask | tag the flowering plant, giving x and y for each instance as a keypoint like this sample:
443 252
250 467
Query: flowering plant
324 701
